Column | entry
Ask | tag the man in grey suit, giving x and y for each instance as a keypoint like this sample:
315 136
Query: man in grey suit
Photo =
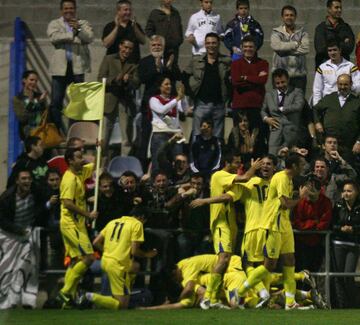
281 110
121 81
71 58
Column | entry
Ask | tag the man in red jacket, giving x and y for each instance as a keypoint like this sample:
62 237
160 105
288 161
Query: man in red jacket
311 213
249 76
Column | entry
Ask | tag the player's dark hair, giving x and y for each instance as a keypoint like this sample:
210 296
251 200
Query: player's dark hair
228 155
29 142
197 175
71 142
242 3
293 159
330 2
290 8
69 154
138 211
273 158
63 1
279 72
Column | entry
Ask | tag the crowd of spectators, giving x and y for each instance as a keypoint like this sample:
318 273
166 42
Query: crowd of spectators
325 129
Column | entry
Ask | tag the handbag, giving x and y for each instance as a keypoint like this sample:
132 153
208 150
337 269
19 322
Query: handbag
47 132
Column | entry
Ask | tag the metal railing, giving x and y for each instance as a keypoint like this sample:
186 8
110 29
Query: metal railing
327 274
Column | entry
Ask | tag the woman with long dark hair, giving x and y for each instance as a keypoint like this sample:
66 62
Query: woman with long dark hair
29 104
346 242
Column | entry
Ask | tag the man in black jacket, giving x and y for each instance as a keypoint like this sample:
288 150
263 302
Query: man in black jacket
166 21
32 159
21 205
333 28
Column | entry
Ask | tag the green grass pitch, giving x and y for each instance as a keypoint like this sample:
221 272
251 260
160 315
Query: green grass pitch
183 317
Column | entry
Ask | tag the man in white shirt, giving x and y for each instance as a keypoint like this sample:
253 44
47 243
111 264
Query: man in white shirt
201 23
327 73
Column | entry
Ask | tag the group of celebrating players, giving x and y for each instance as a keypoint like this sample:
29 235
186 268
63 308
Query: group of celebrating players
218 281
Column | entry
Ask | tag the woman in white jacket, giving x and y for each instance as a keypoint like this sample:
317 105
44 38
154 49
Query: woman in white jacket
165 110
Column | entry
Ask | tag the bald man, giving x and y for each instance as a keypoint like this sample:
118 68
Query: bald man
339 114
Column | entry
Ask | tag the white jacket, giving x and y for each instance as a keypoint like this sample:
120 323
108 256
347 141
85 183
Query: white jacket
59 37
201 24
326 76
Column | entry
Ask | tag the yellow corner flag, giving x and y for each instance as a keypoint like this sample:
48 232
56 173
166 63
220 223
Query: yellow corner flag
86 101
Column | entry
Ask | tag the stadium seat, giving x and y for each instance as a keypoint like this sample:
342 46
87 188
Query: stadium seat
118 165
88 131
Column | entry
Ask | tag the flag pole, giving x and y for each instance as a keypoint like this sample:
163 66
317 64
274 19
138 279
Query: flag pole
98 153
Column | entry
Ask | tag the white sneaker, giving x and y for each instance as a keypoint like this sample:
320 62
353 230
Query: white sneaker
205 304
296 306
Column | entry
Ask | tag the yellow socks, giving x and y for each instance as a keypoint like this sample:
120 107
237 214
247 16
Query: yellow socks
289 284
72 277
213 287
255 277
105 301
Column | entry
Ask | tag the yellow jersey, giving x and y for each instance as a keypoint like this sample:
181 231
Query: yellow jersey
118 237
254 197
192 267
275 217
72 187
221 183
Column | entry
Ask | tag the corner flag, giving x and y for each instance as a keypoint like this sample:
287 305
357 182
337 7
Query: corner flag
86 101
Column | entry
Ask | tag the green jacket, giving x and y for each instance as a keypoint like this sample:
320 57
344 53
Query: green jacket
342 122
196 68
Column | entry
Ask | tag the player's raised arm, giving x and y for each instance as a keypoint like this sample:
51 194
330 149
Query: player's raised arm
255 165
225 198
287 203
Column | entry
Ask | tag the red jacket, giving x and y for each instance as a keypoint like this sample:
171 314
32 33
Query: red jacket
312 216
248 93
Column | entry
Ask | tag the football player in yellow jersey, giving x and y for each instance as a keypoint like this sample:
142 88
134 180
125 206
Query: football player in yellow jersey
253 198
73 216
280 237
187 273
223 220
119 241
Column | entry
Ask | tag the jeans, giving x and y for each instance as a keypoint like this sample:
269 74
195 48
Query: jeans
215 112
345 260
58 89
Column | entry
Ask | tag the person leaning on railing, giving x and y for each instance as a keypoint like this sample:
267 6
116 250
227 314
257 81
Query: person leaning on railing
346 241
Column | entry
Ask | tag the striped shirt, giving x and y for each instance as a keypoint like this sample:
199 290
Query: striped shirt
24 213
